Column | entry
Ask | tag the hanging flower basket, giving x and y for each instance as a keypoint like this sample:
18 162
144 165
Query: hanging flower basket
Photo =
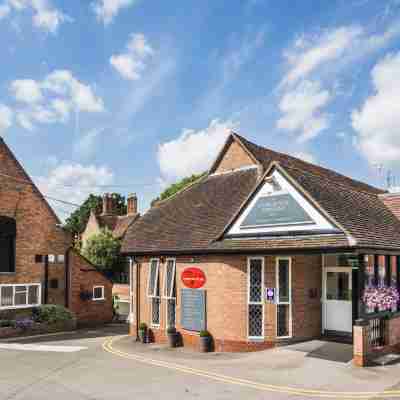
381 298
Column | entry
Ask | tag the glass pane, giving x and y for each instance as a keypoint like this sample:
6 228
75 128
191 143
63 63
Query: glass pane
255 281
171 313
155 311
337 286
152 280
33 295
98 293
255 320
283 319
6 254
20 295
6 298
170 279
283 272
381 270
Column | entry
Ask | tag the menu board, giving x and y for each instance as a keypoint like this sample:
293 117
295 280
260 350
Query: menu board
193 309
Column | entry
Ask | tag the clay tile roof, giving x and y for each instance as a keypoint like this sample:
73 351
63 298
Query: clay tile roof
195 218
117 224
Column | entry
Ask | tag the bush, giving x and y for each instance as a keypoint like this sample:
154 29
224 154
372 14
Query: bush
7 323
142 326
51 314
204 334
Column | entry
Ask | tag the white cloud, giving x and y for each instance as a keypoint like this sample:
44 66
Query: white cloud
6 117
107 10
301 109
306 55
52 99
193 151
343 44
377 121
45 16
26 90
74 182
306 156
132 63
87 144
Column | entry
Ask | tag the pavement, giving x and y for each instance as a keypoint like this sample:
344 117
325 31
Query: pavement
107 364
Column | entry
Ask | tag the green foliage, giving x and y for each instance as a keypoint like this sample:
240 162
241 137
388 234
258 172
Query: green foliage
176 187
77 221
51 313
7 323
204 334
142 326
103 250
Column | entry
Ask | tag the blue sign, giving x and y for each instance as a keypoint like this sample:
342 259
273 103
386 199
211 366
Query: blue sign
270 294
193 309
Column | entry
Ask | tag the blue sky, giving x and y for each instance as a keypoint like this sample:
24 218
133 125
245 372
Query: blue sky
138 94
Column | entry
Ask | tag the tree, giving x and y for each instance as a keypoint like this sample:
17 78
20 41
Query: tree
102 250
176 187
77 221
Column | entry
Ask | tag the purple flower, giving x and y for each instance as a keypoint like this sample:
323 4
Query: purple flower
24 323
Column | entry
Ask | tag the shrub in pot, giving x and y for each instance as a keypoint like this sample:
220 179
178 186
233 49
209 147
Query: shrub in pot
143 332
205 341
173 337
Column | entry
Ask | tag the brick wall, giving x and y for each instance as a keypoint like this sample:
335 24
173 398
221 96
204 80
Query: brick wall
226 307
83 277
235 157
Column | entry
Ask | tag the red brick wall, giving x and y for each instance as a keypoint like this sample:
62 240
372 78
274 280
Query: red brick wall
235 157
37 230
83 277
226 288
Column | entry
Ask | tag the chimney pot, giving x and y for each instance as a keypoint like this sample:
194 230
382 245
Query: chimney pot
132 203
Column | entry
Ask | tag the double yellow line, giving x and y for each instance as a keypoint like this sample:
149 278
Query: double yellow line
108 346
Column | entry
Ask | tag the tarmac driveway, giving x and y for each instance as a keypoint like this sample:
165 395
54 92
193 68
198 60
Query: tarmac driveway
105 364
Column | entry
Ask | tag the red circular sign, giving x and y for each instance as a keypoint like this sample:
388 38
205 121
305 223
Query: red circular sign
193 278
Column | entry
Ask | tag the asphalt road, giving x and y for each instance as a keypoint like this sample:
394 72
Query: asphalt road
89 365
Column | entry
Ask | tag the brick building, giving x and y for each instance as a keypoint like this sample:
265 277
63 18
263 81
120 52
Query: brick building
264 249
109 219
37 264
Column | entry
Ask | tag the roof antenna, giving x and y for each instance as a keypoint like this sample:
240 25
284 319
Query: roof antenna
380 169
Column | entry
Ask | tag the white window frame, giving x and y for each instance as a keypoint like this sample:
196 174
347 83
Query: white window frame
102 291
262 259
278 302
153 295
14 285
168 296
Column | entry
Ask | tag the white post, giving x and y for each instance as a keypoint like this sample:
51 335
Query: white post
131 291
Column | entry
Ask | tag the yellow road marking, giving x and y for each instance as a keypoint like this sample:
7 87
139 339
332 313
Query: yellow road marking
107 346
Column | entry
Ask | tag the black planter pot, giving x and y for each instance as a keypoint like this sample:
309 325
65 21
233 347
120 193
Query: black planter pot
173 339
205 344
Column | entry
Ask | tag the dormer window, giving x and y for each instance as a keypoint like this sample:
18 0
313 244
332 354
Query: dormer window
7 244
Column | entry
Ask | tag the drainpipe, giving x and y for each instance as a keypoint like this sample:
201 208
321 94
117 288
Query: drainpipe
67 278
46 279
134 293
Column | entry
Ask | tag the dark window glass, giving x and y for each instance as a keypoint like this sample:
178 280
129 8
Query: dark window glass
283 281
7 263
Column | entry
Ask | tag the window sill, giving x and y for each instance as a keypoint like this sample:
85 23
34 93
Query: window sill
256 339
102 299
8 273
19 307
154 326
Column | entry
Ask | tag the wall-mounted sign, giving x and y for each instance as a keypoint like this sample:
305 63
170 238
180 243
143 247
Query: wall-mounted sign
193 278
270 294
193 309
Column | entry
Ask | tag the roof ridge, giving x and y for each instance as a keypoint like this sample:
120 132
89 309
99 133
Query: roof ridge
248 144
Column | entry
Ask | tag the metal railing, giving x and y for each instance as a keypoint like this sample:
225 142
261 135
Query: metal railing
377 332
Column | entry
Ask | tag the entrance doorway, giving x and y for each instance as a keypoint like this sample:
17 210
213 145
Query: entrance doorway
337 300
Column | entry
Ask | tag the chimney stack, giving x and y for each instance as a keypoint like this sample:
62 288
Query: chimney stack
108 204
132 203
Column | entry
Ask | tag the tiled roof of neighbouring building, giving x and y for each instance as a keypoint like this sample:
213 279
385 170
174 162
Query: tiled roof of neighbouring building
194 219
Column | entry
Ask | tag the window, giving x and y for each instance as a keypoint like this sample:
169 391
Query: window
284 297
7 245
54 284
170 292
60 258
19 296
98 293
255 272
153 291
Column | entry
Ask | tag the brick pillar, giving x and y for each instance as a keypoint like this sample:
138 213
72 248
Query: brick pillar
360 343
132 298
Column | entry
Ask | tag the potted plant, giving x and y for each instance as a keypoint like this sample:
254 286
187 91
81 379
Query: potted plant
205 341
143 332
173 337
